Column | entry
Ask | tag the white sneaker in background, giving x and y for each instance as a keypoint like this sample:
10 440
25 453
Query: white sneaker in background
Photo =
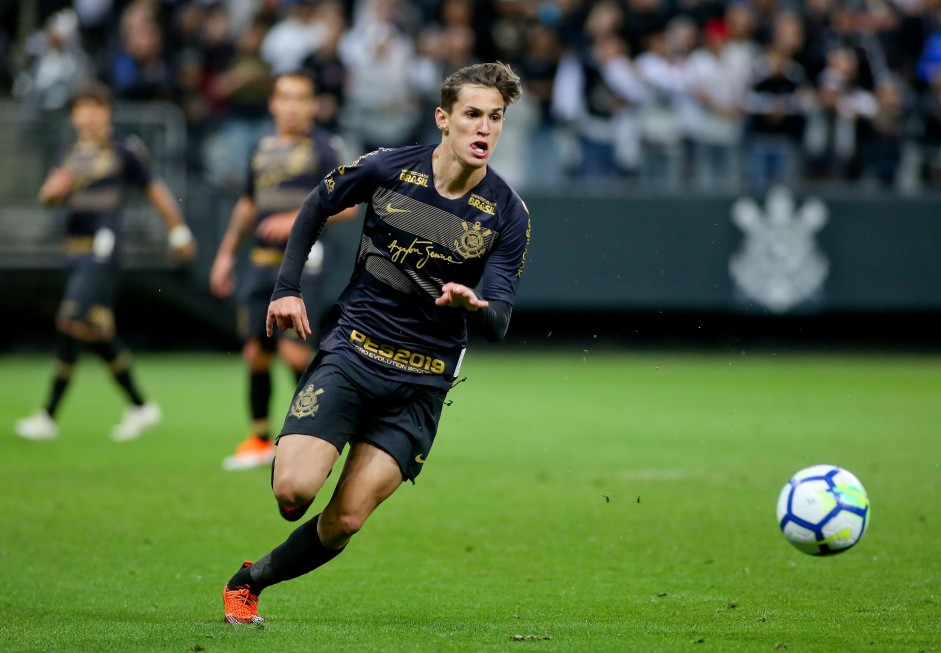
136 420
38 426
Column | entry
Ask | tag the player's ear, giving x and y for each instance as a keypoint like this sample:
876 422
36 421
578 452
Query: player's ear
441 119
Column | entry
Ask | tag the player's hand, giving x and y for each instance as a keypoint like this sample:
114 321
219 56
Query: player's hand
221 277
57 187
276 228
455 295
185 253
288 313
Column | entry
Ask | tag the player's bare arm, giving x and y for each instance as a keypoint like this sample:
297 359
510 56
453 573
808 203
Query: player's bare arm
180 239
221 277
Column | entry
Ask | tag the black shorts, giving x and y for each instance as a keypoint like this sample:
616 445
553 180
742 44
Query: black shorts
339 402
255 297
89 292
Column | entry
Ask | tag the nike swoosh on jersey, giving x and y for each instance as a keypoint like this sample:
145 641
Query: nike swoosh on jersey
392 209
419 459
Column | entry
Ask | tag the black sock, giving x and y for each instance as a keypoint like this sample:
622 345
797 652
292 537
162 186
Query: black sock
67 350
301 553
116 354
59 384
259 398
126 382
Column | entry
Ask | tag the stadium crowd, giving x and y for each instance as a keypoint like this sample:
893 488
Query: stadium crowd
652 93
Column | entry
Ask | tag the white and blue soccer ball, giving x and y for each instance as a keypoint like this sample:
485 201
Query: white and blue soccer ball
823 510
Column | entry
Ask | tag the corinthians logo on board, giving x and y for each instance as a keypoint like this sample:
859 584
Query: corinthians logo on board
779 265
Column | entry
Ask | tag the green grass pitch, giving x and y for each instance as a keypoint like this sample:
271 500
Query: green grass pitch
590 501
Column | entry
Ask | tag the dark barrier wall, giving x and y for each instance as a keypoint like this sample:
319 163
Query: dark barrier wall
810 256
779 253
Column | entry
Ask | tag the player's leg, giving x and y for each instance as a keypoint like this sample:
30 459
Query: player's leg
296 355
298 472
369 477
140 413
81 292
41 425
257 449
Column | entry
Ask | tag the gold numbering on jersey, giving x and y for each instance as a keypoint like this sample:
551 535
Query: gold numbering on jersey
411 361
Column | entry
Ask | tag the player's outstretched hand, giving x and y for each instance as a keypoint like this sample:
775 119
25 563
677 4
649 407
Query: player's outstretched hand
288 313
455 295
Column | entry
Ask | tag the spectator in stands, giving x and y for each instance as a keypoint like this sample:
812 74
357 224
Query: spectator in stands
662 68
326 68
775 106
382 103
713 114
58 65
294 38
538 68
929 114
141 71
240 93
882 142
595 94
839 120
59 62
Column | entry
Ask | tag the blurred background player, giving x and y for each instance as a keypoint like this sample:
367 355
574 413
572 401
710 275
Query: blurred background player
91 176
282 169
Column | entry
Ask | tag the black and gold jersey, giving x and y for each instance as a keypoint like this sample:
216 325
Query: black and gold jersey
282 171
413 242
100 177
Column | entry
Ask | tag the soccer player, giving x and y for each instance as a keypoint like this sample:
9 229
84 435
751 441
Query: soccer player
439 222
91 178
282 169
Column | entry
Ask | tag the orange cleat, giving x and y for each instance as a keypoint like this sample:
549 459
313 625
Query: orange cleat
252 452
241 606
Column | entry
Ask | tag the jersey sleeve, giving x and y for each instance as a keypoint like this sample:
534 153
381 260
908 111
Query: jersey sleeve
136 161
352 184
504 266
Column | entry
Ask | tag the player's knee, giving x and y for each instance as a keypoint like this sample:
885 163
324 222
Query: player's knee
290 492
342 525
257 359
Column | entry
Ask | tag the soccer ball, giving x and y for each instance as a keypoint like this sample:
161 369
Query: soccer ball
823 510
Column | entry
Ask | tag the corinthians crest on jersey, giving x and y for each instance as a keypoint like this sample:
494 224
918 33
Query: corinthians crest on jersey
473 242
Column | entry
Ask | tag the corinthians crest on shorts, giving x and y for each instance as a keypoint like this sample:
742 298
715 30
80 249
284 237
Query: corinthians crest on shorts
306 403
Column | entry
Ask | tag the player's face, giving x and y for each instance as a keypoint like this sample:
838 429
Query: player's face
293 105
474 124
91 119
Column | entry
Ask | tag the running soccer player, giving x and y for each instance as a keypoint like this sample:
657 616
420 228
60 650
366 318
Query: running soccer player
91 177
439 222
282 169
